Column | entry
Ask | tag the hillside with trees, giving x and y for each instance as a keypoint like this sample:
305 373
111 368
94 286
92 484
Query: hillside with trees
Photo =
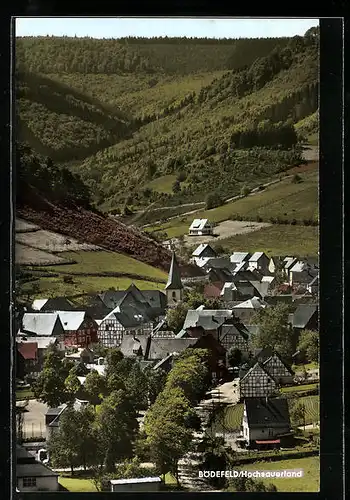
191 109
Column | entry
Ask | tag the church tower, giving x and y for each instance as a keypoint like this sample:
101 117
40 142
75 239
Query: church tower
174 287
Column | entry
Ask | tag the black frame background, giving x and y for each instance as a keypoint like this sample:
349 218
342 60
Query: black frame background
331 241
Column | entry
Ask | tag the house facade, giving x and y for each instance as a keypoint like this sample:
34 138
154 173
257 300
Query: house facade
200 227
202 253
260 262
80 330
257 383
265 421
279 370
32 475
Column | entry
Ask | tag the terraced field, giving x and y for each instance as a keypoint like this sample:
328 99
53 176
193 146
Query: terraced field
312 407
103 262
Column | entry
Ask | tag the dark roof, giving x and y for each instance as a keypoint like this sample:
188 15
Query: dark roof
314 282
267 411
303 315
160 348
174 279
36 469
265 354
135 345
58 304
111 298
164 361
219 263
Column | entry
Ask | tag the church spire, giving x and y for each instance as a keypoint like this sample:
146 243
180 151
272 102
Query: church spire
174 279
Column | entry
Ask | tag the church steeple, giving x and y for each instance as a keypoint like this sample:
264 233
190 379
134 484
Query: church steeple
174 286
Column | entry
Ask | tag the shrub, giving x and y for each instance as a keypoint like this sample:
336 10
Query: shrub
293 222
245 190
68 279
213 200
296 179
259 219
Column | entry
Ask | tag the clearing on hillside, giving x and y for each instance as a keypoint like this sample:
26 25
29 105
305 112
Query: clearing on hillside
27 256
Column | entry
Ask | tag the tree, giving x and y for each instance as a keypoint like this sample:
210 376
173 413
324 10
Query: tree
117 425
309 345
176 317
215 458
50 384
176 187
298 413
156 381
63 445
113 357
213 200
234 356
137 387
79 369
95 387
72 385
296 179
245 190
275 330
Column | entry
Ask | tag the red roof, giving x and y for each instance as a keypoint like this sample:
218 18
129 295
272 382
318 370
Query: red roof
29 350
212 290
269 441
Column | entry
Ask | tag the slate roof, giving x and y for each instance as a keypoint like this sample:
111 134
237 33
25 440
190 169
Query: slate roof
28 350
35 469
132 342
289 262
256 256
160 363
53 304
253 368
265 354
160 348
39 323
239 256
253 303
314 282
208 319
174 279
200 249
303 314
111 298
264 412
71 320
219 263
198 224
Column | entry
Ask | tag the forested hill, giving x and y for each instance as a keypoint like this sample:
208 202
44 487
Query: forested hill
130 55
61 122
130 115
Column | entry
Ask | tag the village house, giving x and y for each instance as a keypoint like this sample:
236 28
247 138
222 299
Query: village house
200 227
202 253
80 330
287 264
302 273
238 291
274 363
246 310
240 257
265 421
257 382
260 262
31 352
53 304
305 317
32 475
82 355
174 287
42 325
221 324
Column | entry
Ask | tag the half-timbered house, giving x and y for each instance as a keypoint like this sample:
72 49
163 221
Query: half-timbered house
257 383
80 330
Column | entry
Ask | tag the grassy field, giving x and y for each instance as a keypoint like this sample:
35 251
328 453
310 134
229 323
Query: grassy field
285 200
55 287
276 240
162 184
76 485
310 482
99 262
299 388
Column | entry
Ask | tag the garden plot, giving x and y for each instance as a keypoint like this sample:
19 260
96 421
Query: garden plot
52 242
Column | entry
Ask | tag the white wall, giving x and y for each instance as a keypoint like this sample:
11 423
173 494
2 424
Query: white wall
46 483
178 297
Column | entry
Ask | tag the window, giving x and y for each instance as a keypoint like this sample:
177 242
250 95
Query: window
29 482
174 295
